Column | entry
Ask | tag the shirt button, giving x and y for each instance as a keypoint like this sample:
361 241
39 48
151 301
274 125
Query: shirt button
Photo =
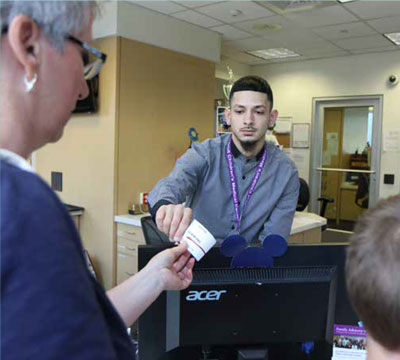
243 177
233 227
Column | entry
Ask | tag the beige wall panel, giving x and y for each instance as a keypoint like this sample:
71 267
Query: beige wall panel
85 156
162 95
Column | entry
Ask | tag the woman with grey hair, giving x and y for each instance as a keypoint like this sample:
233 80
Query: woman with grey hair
51 307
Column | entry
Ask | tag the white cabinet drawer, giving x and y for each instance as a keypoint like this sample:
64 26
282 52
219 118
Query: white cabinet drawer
129 232
127 249
126 266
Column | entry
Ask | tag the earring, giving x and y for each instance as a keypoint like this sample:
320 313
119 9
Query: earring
30 84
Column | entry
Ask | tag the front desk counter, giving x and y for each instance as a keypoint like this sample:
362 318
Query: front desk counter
306 227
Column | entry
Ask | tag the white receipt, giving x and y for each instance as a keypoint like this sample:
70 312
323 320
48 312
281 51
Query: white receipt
199 240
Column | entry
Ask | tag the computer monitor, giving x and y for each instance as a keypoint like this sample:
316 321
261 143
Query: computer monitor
170 328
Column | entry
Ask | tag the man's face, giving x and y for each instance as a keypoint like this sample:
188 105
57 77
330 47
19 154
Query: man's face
250 116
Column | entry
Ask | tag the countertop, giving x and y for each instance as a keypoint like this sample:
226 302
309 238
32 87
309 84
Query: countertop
130 219
303 221
74 210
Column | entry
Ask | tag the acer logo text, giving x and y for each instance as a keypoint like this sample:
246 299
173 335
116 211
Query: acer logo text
212 295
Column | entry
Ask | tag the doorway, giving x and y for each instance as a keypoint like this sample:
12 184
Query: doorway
345 160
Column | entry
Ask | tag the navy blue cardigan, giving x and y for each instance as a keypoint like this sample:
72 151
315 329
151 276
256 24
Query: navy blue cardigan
51 307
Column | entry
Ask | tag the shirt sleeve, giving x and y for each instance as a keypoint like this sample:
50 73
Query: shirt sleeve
281 219
183 179
48 304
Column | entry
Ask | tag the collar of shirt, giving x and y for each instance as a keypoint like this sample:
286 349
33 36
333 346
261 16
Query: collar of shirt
15 159
236 152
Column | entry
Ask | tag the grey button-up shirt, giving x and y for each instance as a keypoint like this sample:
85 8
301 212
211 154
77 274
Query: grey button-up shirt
200 178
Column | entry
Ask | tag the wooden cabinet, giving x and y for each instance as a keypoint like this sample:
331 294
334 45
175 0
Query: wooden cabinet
128 239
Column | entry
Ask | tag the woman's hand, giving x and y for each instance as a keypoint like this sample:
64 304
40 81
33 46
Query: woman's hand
174 267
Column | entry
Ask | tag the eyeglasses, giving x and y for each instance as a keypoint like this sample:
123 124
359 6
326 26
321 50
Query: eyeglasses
93 67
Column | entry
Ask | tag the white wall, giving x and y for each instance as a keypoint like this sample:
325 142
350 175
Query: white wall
140 24
239 70
295 84
105 23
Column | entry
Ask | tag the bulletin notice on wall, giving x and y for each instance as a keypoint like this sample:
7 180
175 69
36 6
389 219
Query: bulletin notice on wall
391 140
349 343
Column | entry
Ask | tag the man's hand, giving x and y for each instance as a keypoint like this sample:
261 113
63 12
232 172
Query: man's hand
174 267
173 220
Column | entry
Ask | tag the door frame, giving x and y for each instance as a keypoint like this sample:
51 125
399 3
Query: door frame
319 106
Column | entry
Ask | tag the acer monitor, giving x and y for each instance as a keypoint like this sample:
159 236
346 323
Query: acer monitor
228 309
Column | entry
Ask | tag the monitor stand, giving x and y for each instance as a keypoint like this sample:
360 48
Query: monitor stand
253 354
242 354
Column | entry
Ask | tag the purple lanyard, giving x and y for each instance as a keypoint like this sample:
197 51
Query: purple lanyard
232 177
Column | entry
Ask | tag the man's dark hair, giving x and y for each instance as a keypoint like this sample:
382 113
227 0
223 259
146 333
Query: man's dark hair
252 83
372 272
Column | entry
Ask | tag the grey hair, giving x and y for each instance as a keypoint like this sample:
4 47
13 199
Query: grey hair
55 18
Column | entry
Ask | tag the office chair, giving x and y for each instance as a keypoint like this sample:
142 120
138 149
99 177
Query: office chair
304 199
362 194
304 195
152 235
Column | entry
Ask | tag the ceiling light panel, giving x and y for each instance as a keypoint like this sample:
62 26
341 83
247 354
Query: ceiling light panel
394 37
278 53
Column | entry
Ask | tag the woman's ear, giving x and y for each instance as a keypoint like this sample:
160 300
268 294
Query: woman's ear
23 36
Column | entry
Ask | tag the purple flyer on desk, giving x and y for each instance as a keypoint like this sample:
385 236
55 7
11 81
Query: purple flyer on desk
349 342
347 330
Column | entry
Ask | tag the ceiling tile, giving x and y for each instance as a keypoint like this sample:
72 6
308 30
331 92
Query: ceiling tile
386 25
164 7
231 33
375 50
344 31
290 33
320 17
195 4
251 44
196 18
286 7
264 26
305 47
374 9
366 42
318 53
223 11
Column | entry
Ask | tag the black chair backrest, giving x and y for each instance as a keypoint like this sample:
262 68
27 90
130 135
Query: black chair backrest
362 194
304 195
152 235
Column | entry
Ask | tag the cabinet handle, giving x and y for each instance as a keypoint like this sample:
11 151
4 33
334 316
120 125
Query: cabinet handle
123 232
128 273
126 247
125 255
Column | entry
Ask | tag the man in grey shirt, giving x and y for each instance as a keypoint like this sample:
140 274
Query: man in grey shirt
235 184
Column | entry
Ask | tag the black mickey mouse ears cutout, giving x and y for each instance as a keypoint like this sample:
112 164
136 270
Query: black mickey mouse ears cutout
275 245
235 246
253 256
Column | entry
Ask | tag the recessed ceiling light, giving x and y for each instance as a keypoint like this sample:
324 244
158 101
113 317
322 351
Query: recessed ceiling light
394 37
279 53
266 27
